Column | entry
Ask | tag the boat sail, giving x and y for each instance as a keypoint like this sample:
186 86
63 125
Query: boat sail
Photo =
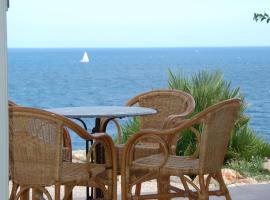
85 58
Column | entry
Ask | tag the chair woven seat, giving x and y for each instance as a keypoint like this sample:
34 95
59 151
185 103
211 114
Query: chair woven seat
81 173
175 165
142 150
75 172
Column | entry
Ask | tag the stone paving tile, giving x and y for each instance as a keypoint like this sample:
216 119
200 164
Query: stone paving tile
250 192
243 192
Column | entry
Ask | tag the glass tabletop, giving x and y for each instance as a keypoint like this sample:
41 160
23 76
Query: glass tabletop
103 111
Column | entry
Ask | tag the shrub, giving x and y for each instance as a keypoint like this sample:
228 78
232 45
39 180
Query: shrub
253 168
209 88
245 144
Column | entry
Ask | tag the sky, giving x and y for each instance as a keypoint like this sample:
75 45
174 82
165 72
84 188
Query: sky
136 23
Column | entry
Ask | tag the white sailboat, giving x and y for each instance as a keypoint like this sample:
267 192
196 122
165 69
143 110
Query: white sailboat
85 58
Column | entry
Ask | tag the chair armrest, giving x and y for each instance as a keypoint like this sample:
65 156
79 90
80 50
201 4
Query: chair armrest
173 142
67 146
104 123
170 135
130 146
173 120
103 138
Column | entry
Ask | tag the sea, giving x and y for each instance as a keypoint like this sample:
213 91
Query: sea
52 78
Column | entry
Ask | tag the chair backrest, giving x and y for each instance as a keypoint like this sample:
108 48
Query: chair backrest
35 146
166 102
218 123
67 145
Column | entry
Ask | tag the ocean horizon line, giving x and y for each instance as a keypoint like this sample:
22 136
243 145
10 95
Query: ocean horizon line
195 47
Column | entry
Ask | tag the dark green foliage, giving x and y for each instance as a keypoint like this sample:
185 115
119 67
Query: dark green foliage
209 88
245 144
261 17
130 127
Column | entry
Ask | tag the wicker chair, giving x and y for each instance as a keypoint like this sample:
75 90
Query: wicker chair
36 160
172 107
216 124
67 150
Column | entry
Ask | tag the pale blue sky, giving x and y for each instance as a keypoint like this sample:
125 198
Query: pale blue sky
136 23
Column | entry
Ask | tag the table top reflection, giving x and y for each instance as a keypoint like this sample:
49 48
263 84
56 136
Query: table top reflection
103 111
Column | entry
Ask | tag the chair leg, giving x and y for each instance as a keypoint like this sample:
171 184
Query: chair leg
129 194
163 185
125 186
23 193
187 190
57 192
223 186
112 189
138 189
203 193
67 191
109 193
13 191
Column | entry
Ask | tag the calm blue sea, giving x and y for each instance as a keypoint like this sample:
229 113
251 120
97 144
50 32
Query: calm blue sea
48 78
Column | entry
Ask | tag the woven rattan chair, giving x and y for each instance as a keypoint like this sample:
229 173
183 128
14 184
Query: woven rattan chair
216 124
36 160
172 107
67 148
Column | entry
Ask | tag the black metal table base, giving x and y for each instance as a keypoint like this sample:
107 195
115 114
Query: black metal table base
95 192
99 156
88 196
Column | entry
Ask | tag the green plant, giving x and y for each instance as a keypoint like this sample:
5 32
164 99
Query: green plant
209 88
128 128
245 144
261 17
252 168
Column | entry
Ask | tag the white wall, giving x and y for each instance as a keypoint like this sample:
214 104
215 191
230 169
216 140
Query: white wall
3 105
